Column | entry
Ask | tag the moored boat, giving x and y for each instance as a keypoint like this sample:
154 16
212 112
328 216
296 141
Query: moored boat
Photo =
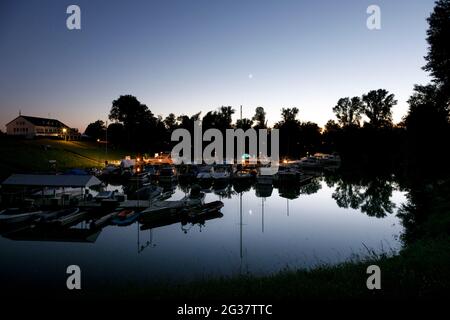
16 216
125 217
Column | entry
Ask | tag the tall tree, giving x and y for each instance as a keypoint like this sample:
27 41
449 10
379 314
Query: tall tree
139 122
260 118
378 107
289 127
128 110
96 130
438 35
244 124
170 122
348 111
289 115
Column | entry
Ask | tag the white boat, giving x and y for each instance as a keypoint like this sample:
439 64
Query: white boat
168 207
103 195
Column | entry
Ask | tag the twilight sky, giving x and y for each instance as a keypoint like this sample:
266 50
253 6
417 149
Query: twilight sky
195 55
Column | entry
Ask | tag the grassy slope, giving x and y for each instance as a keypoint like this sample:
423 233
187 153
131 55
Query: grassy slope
30 155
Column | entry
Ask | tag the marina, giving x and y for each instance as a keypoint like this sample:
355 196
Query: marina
223 220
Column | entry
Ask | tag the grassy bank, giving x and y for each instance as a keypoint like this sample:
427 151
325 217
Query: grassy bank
19 155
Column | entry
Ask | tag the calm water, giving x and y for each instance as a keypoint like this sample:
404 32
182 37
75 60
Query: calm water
326 222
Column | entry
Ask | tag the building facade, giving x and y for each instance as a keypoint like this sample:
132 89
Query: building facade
31 127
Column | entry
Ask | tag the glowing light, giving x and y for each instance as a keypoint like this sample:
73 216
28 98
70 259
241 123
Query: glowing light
64 130
98 140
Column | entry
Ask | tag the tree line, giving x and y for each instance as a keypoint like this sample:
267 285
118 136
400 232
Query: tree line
363 130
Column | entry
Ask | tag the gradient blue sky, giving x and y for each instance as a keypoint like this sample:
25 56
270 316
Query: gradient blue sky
196 55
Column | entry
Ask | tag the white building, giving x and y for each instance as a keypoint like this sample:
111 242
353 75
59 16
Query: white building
31 127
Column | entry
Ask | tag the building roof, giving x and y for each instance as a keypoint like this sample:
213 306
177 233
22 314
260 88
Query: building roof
44 122
47 180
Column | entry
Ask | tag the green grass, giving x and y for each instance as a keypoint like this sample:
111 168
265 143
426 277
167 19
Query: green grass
34 155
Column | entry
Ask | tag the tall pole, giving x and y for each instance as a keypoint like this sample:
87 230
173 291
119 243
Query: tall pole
106 144
240 230
241 113
262 220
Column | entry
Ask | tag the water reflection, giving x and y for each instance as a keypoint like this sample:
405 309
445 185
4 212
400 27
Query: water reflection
372 196
261 229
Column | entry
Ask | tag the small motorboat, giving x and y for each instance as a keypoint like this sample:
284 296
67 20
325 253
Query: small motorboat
16 216
100 222
69 219
125 217
104 195
165 208
204 210
48 216
287 174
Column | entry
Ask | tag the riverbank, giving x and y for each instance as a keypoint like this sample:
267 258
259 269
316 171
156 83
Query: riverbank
20 155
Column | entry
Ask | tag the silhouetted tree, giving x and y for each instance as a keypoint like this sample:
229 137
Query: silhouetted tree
310 137
244 124
170 122
378 107
116 134
96 130
438 35
330 136
260 118
348 111
290 129
139 122
426 126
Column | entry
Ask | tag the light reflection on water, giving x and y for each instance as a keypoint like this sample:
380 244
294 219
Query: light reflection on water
269 234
